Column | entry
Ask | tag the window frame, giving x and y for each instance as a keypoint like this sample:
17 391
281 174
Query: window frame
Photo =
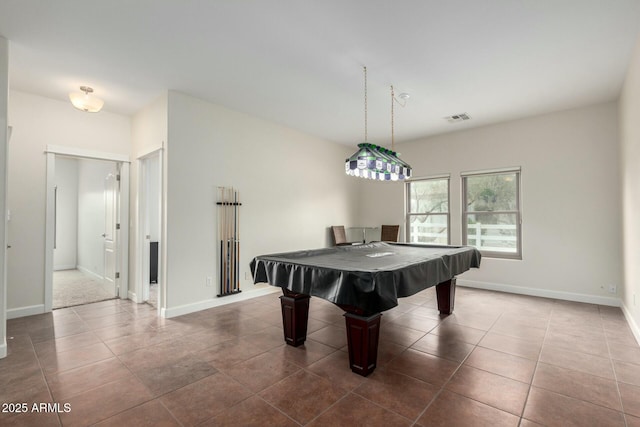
518 212
409 214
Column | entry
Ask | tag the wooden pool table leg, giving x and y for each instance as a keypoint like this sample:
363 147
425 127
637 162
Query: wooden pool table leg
446 293
362 336
295 314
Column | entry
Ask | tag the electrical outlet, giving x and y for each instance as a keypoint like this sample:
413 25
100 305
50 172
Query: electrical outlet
209 281
612 289
246 275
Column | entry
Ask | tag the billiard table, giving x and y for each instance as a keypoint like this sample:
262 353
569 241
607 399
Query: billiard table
364 281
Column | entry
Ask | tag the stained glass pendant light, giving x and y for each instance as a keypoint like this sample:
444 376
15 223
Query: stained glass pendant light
373 161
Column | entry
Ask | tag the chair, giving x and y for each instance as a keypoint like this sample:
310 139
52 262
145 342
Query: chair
340 236
389 233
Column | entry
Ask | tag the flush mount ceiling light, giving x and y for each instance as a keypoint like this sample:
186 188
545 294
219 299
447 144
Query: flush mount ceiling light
86 101
373 161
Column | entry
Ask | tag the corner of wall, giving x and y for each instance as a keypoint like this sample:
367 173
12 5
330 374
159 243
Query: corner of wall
635 328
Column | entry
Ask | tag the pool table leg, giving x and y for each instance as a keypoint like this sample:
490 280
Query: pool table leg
362 337
295 314
446 293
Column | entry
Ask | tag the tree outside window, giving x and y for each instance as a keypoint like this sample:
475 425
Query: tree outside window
428 211
491 213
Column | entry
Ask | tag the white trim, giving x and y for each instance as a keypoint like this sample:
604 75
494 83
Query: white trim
545 293
490 171
421 178
49 235
142 250
635 328
216 302
14 313
133 297
3 350
87 154
123 241
90 273
64 267
150 152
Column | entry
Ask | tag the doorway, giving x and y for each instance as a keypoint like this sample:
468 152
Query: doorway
86 255
149 286
86 193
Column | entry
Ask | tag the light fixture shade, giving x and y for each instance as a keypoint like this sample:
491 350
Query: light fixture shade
85 101
376 162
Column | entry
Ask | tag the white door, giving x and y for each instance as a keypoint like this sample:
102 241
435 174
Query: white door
110 205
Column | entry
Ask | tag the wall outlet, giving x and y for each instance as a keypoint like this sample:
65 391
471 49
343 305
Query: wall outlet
612 289
209 282
246 276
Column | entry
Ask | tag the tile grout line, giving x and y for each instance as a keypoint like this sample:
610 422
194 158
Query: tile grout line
613 368
442 388
44 377
535 369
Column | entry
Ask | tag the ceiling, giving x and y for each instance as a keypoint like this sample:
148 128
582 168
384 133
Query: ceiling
300 62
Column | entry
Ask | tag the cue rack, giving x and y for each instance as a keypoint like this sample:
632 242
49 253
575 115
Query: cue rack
229 240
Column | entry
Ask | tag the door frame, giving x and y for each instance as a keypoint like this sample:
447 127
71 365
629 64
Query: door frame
142 248
122 243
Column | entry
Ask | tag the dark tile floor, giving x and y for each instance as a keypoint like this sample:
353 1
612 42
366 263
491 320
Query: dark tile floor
500 359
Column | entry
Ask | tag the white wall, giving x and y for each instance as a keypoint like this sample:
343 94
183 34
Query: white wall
37 122
65 252
4 95
630 165
571 229
92 214
292 188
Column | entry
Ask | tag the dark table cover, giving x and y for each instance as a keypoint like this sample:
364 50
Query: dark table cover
370 277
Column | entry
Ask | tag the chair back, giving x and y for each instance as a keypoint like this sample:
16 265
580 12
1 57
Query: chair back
339 235
390 233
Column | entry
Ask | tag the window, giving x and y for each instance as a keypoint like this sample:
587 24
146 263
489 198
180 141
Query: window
428 211
491 212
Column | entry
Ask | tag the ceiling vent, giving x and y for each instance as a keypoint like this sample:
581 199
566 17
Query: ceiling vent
457 118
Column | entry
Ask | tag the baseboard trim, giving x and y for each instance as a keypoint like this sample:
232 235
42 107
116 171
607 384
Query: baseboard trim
210 303
63 267
90 273
632 323
132 296
545 293
3 350
14 313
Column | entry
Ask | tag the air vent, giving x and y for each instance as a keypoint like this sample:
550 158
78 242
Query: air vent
457 118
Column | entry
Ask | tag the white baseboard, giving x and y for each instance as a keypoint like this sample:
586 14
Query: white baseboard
635 328
64 267
132 296
210 303
90 273
545 293
14 313
3 349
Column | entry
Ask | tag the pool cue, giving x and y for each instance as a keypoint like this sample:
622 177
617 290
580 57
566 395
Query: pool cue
226 242
229 272
239 236
226 250
223 255
230 240
235 239
220 237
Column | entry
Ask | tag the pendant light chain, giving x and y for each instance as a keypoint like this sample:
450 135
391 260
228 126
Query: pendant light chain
373 161
393 145
365 103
